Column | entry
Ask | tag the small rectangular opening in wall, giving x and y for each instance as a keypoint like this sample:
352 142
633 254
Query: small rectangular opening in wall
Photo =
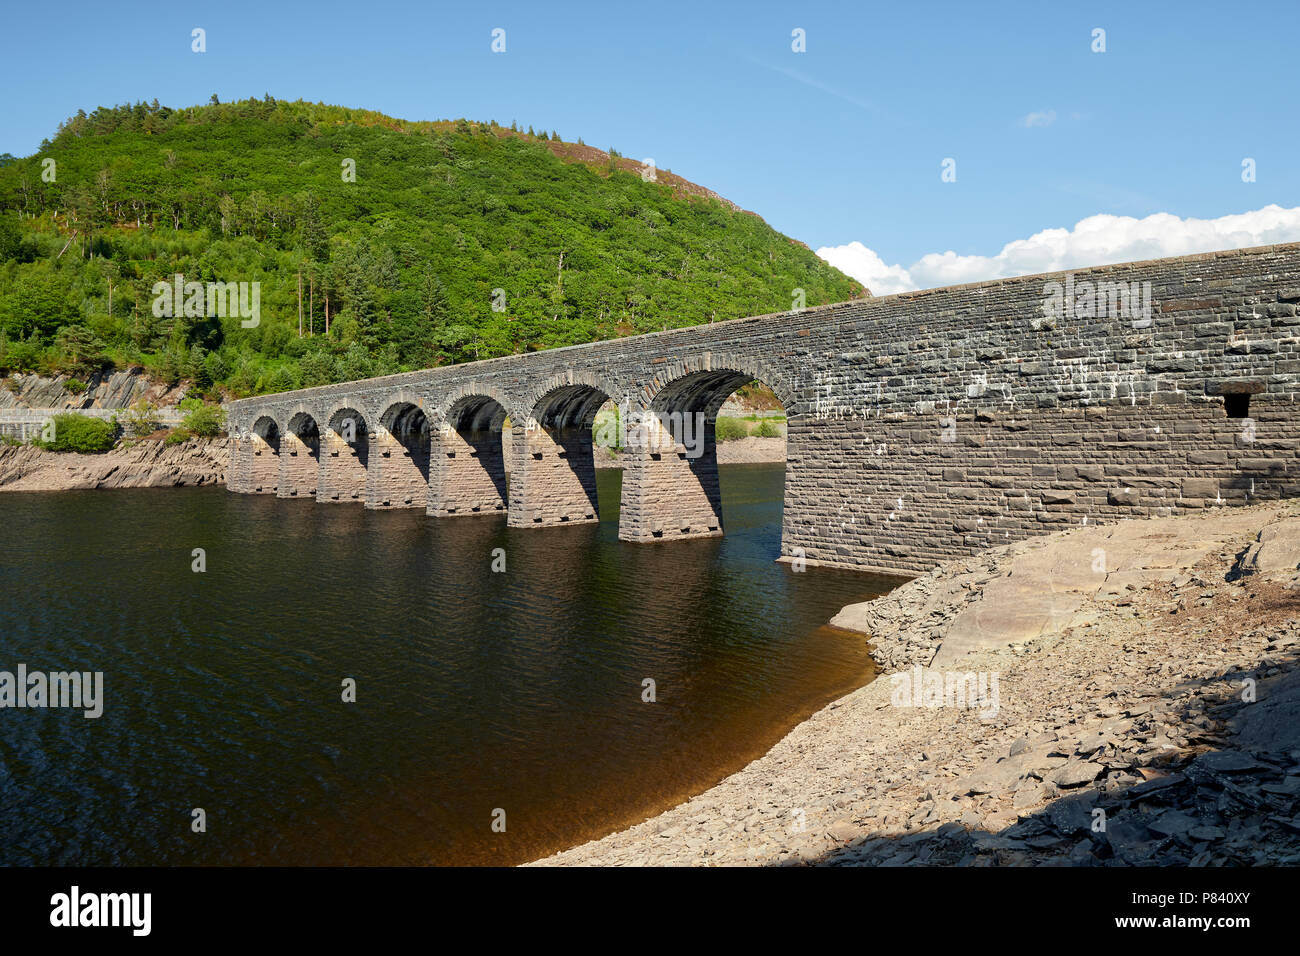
1237 406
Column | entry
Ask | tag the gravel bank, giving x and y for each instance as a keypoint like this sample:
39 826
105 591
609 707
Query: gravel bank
145 464
1146 711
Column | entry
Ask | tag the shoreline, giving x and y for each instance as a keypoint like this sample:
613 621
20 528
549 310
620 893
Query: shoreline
147 463
1119 700
1103 700
738 451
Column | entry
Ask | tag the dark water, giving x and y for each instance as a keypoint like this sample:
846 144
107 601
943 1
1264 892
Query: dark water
475 690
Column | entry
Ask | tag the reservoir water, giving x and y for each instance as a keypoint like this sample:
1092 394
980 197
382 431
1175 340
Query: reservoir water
480 694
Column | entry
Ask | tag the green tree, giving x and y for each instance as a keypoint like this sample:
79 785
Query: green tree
11 238
205 421
80 433
81 349
142 419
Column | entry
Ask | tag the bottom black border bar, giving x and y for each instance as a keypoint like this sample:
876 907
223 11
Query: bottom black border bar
335 905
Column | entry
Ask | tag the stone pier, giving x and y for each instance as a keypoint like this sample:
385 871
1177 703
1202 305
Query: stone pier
670 488
467 471
398 475
263 470
552 477
299 458
344 458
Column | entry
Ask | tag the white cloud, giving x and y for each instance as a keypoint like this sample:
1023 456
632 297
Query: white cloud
1045 118
863 264
1096 241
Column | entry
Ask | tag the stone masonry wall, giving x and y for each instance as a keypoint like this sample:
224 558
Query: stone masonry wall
925 425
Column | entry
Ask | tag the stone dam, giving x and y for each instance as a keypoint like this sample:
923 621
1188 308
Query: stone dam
922 426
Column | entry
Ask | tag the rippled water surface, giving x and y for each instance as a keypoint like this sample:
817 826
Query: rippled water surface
476 691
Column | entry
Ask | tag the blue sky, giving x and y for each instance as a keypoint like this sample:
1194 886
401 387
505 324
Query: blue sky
837 145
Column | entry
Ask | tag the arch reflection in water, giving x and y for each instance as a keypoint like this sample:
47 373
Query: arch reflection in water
476 690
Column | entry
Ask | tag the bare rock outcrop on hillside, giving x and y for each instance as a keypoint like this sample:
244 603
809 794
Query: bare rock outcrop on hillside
116 389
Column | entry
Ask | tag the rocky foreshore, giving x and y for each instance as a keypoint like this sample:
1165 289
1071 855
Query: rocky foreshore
1116 695
144 464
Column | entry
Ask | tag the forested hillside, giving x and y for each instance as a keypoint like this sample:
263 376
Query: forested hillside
403 258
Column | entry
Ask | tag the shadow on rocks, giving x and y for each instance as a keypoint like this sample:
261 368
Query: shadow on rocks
1225 795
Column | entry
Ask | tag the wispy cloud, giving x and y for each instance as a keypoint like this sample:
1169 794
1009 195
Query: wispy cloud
1045 118
811 81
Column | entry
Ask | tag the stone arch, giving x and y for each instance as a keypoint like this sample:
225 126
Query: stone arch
267 429
470 400
400 396
404 420
671 487
476 412
300 455
348 418
344 456
575 381
706 375
399 472
467 465
302 422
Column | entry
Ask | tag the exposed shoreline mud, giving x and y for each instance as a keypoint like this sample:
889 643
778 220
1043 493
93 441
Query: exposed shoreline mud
144 464
1123 694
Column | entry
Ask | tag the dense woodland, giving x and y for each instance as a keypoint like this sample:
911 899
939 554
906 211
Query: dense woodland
402 261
